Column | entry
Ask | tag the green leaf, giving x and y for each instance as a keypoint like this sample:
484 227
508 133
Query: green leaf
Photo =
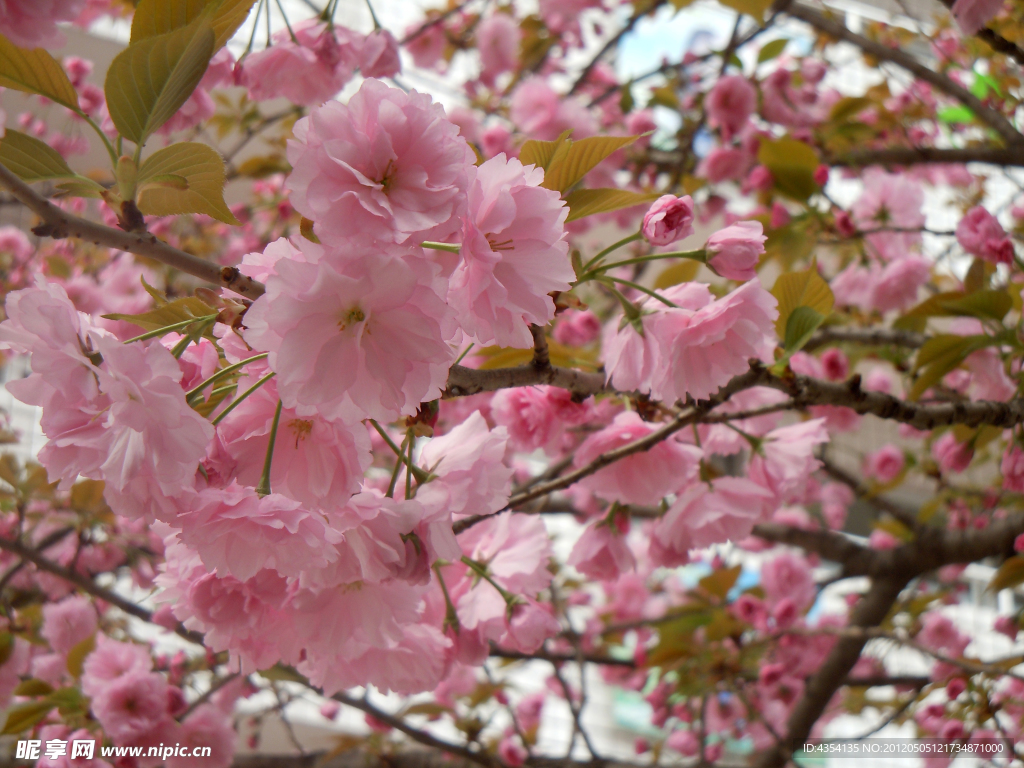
568 167
540 153
940 355
176 311
771 50
792 164
157 17
79 187
755 8
1009 575
958 114
35 71
31 159
284 673
33 687
683 272
587 202
150 79
719 582
849 107
76 656
202 171
23 716
984 304
802 324
6 647
801 289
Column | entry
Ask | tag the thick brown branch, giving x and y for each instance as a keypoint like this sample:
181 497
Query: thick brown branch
60 224
1002 156
838 30
88 585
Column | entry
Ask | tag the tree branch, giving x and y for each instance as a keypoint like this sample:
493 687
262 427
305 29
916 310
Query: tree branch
874 337
59 224
1004 156
836 29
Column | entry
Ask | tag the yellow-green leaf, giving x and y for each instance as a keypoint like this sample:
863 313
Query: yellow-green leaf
172 312
802 324
940 355
848 107
150 79
202 171
1010 574
754 8
157 17
984 304
35 71
771 49
76 656
792 164
801 289
579 158
6 647
719 582
683 272
540 153
31 159
587 202
24 716
33 687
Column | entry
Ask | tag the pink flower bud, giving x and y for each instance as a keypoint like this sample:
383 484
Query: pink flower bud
1004 625
821 175
733 252
670 218
955 687
1018 543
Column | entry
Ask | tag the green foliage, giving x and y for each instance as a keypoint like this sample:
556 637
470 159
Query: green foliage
186 177
940 355
792 164
150 79
169 313
35 71
755 8
587 202
801 289
157 17
572 160
771 50
31 159
1009 575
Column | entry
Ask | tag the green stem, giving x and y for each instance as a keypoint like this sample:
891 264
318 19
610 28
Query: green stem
481 571
376 22
263 489
614 246
451 616
181 346
169 328
196 390
408 462
698 255
238 400
398 468
450 247
463 354
421 475
638 287
99 132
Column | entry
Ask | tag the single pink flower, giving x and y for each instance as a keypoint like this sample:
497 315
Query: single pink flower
110 661
538 111
725 164
735 251
206 726
132 706
669 219
896 286
940 634
786 459
730 103
885 464
602 553
33 23
356 334
386 166
835 364
308 70
980 233
1012 467
576 328
514 254
951 454
379 56
788 576
972 15
67 623
643 478
497 40
530 415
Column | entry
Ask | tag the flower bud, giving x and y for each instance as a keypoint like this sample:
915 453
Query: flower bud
670 218
734 251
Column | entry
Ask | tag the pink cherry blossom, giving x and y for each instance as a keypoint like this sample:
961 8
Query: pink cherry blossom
896 286
497 39
132 706
885 464
725 164
468 462
513 254
730 103
379 56
787 458
787 576
835 364
735 251
529 414
33 24
110 661
576 328
355 334
206 726
387 166
643 478
980 234
669 218
951 454
67 623
308 70
239 534
972 15
536 109
699 518
1012 467
601 552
